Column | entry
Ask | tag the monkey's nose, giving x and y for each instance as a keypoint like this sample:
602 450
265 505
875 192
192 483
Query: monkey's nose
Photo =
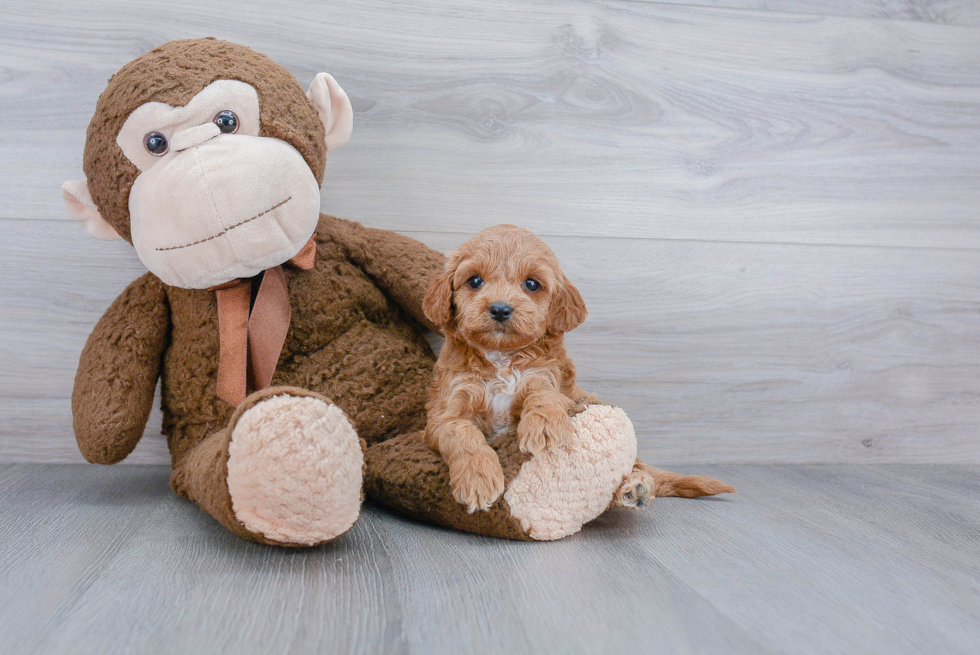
501 311
193 136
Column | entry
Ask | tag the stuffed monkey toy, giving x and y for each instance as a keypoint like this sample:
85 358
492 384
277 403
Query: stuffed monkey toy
285 341
282 337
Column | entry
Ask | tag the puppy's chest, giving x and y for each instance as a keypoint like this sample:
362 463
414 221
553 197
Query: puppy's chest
500 394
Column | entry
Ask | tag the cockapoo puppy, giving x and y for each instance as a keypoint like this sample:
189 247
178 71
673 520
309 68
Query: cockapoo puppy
505 305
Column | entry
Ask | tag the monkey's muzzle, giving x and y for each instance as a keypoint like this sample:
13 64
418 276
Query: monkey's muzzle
222 206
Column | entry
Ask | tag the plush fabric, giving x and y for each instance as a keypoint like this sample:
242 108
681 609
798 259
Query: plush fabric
196 116
118 371
173 74
82 208
294 470
256 194
348 340
558 491
334 108
406 475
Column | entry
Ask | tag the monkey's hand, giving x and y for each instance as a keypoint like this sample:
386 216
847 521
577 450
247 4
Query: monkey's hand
118 371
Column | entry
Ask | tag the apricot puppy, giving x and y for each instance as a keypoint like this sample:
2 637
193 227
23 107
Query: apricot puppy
504 305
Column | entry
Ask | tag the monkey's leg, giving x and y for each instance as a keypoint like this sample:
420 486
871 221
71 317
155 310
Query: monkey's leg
645 483
286 470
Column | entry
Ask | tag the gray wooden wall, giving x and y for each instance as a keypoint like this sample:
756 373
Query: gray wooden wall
772 207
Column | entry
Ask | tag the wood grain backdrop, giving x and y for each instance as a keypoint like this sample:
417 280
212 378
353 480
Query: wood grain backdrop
772 208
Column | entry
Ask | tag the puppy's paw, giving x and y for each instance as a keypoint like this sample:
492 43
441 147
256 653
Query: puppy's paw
477 480
635 492
545 428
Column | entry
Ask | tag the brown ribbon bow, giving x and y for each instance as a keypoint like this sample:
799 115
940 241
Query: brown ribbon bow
252 335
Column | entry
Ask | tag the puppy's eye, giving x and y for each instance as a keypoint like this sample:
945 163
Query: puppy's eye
531 284
475 282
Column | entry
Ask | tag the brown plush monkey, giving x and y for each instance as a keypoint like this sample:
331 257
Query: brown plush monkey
281 336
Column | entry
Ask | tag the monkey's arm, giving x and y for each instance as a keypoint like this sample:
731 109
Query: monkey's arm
401 266
118 371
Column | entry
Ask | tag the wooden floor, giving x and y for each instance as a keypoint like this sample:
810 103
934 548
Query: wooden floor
804 559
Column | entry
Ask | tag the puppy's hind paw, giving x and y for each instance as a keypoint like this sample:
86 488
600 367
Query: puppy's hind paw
635 492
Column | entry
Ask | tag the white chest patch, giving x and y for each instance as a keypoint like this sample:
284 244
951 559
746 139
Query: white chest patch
498 359
501 391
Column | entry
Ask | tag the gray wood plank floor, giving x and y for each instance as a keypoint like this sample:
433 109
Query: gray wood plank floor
804 559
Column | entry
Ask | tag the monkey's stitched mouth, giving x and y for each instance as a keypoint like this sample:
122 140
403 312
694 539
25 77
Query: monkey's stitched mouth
229 229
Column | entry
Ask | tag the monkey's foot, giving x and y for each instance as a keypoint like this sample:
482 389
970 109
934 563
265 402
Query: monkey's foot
556 492
294 470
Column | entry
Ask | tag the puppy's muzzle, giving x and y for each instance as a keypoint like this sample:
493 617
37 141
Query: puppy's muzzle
500 311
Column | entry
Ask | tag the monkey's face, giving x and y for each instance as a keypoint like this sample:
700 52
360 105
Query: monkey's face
211 178
214 201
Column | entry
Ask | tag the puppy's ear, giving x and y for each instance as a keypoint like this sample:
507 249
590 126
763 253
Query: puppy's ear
438 303
567 308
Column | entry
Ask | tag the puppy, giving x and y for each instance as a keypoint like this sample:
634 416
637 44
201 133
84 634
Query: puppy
504 306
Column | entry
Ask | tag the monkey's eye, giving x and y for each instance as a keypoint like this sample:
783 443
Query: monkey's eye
156 144
531 284
475 282
226 121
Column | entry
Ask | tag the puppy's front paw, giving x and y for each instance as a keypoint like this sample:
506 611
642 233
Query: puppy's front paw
545 428
477 480
635 492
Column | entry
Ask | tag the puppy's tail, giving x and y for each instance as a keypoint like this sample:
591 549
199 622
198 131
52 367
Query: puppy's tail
685 486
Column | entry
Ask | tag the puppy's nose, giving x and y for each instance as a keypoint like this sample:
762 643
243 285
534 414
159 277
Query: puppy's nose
501 311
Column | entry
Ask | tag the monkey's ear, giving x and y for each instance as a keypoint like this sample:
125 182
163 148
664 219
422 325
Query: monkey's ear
438 303
333 106
82 208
